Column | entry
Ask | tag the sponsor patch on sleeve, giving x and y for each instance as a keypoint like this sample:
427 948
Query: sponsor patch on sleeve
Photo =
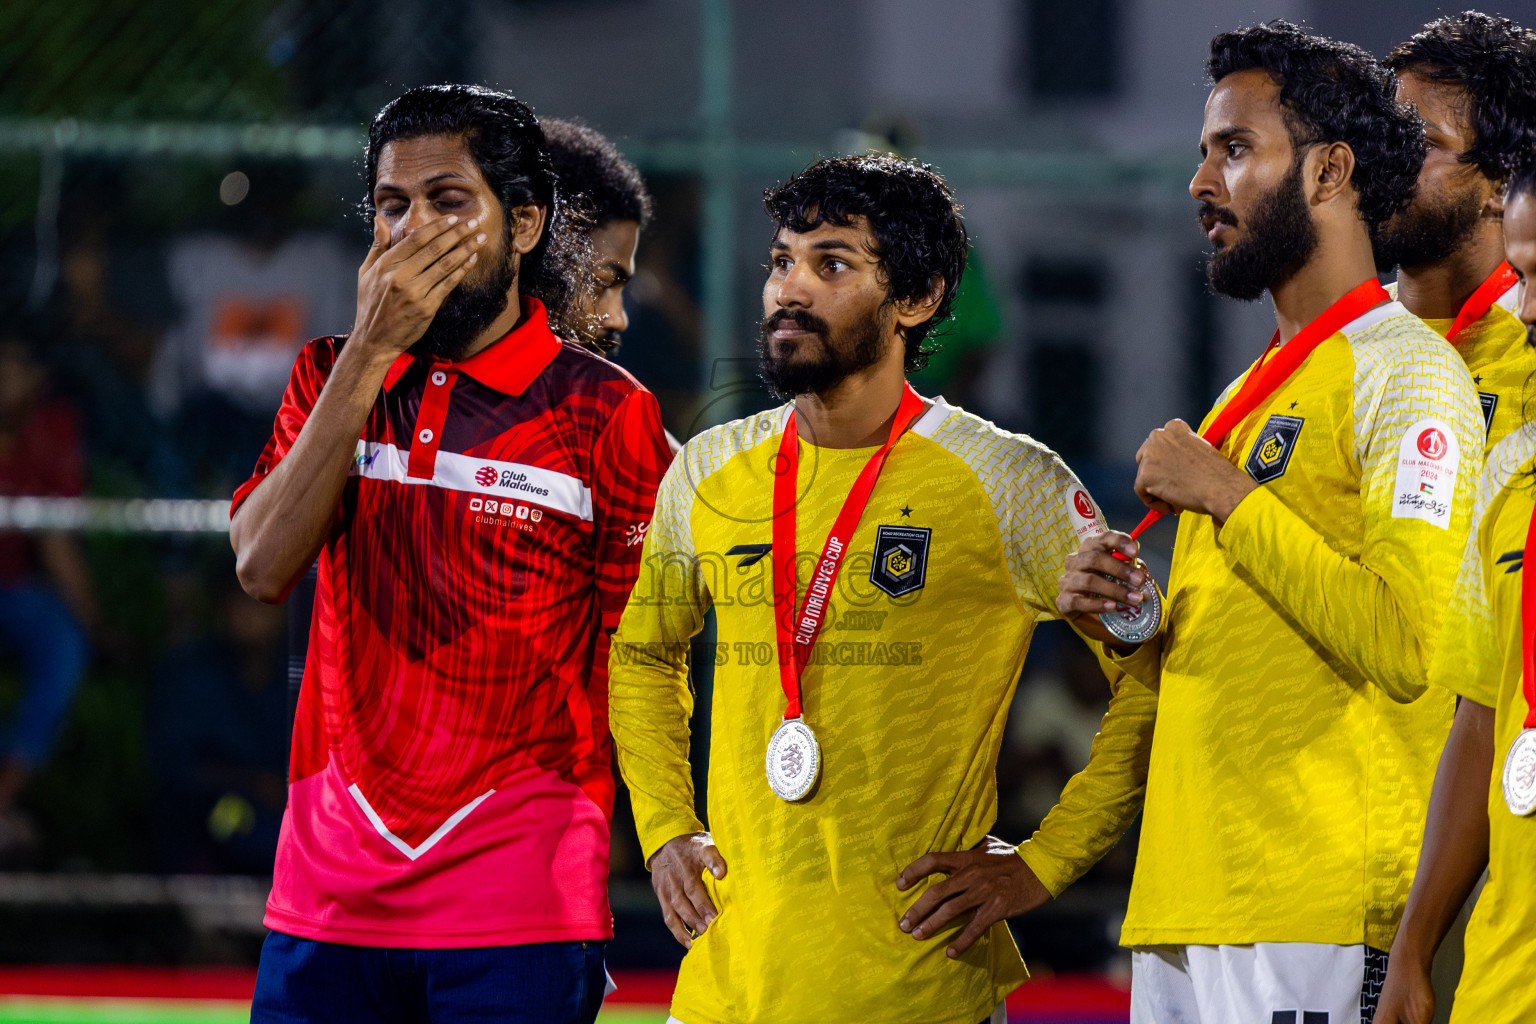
1082 512
1427 461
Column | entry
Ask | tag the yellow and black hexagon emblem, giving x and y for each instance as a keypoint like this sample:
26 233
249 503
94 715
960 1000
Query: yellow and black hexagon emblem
901 559
1272 449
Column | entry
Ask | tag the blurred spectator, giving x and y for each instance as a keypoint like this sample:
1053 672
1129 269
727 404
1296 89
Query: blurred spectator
108 310
47 606
249 298
218 728
1051 726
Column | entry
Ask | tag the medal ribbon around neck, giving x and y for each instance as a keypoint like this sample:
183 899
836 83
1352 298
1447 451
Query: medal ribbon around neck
1267 377
796 635
1482 300
1528 624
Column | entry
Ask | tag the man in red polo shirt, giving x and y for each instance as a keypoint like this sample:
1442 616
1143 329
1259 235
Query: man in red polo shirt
477 491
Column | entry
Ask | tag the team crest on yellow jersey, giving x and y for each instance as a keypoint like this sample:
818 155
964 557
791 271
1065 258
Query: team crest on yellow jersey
1272 448
1489 403
901 559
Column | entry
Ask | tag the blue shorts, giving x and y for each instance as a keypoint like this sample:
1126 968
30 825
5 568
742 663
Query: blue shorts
301 980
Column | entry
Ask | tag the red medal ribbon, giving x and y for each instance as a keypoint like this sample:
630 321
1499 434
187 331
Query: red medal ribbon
1266 378
1482 300
1528 623
797 634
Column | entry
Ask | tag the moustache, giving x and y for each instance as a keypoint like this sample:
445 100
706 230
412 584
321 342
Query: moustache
801 320
1209 215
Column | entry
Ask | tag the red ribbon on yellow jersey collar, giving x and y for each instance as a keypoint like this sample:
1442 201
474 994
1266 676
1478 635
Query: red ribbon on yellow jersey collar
1267 377
796 634
1482 300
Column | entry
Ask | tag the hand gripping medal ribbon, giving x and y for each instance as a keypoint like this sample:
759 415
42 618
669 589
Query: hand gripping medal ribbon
793 760
1135 623
1520 762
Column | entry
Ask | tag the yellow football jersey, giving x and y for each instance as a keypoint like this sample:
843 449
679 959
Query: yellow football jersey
1288 778
1496 353
955 559
1480 660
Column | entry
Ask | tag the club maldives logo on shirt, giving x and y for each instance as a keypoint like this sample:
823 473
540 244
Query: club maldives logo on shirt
508 479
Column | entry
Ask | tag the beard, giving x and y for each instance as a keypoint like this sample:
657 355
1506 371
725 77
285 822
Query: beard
1281 237
1427 231
834 359
469 309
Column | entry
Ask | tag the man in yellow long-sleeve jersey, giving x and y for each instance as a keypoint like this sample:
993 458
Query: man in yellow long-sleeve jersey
1475 76
1323 519
1472 77
877 563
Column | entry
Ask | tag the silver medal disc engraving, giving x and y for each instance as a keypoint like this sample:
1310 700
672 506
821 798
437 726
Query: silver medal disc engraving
794 760
1520 774
1134 623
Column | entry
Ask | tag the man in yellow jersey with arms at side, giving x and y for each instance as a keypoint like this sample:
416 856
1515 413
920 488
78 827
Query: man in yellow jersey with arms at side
1479 814
877 562
1472 77
1324 511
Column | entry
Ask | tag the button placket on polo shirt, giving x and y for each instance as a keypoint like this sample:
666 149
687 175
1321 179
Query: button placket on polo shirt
429 422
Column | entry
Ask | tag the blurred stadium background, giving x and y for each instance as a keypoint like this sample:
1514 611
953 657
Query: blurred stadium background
178 211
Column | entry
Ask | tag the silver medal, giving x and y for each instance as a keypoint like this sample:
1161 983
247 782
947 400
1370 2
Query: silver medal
1133 623
1520 774
794 760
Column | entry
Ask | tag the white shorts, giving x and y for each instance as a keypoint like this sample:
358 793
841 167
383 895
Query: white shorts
1265 983
999 1016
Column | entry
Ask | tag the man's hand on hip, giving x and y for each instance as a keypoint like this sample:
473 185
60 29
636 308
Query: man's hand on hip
991 880
677 872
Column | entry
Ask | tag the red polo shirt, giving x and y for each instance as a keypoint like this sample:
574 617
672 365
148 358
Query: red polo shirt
450 782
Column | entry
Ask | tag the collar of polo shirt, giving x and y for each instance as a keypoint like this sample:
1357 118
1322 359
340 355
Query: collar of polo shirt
509 365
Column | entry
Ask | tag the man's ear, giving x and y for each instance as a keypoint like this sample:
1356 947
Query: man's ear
527 227
914 311
1333 170
1493 206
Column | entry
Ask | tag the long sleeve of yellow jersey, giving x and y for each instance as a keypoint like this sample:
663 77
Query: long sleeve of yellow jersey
1467 661
1099 803
1380 615
649 695
1043 513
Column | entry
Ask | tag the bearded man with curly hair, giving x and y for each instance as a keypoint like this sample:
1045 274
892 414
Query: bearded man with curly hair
852 758
1325 506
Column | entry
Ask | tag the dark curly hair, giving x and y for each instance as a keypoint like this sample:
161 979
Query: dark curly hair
1332 91
1522 180
1494 61
594 177
913 216
506 143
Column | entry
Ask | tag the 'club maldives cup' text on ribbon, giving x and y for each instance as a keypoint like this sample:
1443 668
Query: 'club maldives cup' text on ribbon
794 759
